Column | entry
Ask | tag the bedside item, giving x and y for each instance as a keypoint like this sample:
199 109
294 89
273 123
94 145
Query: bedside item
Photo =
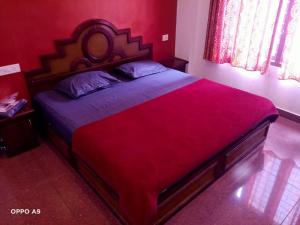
17 134
9 106
175 63
141 68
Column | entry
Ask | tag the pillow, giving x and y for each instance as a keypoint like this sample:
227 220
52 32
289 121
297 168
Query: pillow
85 83
141 68
108 77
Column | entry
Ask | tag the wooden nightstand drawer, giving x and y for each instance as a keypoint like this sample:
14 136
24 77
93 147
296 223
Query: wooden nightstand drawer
17 134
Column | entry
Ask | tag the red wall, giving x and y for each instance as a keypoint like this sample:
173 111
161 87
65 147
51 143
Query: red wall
29 27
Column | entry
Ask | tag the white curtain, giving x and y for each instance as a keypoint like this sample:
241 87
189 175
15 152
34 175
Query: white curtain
291 52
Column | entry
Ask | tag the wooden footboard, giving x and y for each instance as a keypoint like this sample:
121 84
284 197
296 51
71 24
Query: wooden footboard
178 195
172 199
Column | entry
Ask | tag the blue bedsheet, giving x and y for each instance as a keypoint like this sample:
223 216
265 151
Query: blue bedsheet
67 115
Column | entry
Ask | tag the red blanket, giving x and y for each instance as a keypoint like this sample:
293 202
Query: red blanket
145 149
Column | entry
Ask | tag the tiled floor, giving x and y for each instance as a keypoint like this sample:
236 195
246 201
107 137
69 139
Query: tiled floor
39 179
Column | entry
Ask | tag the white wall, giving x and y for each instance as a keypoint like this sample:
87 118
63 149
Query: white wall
192 16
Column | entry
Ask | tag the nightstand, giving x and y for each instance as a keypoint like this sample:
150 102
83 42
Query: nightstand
17 134
175 63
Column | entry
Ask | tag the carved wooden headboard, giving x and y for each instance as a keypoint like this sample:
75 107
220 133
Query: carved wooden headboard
95 44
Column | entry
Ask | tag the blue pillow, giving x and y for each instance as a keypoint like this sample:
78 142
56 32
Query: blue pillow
85 83
141 68
108 77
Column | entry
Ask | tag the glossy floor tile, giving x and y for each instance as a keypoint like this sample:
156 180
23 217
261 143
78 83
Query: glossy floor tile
269 196
257 192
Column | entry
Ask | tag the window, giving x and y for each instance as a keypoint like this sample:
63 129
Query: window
242 33
281 32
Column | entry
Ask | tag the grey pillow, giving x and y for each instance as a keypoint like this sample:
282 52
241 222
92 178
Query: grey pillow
85 83
141 68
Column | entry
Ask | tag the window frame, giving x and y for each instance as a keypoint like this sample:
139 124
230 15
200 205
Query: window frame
277 59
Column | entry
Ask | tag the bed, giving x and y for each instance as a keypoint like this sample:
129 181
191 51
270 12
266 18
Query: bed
135 112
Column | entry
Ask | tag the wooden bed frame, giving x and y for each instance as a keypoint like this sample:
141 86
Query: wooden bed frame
97 44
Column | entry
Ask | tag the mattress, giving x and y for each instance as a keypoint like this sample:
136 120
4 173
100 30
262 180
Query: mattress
66 115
